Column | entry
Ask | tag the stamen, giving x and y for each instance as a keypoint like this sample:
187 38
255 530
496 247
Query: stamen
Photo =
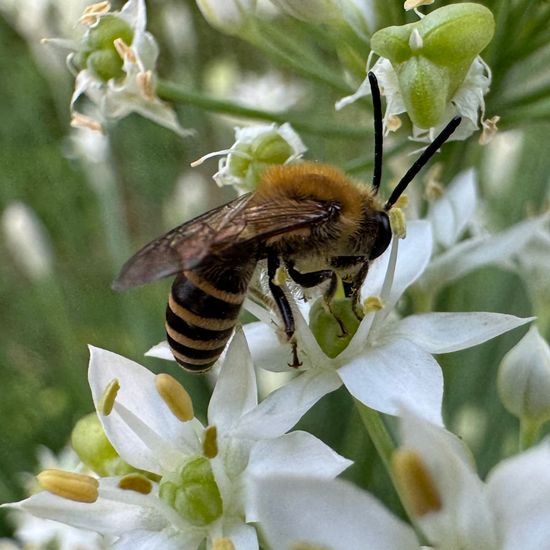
82 121
402 201
174 395
77 487
413 4
125 51
398 222
145 82
90 14
137 483
416 483
280 276
393 123
223 544
107 401
235 152
210 442
372 303
489 130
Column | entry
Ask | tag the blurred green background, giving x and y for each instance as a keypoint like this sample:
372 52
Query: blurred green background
96 213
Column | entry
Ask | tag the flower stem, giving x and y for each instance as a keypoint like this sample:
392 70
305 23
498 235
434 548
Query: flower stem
169 91
528 433
385 447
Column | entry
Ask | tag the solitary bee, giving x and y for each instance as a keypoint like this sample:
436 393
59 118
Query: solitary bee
308 217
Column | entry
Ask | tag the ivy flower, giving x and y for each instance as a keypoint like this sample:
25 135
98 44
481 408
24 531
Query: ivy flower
114 63
454 508
195 481
388 361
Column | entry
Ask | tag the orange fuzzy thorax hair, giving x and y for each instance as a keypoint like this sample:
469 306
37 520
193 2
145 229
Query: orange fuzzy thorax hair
309 180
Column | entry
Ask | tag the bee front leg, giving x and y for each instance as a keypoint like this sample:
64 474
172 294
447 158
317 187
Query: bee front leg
285 310
354 291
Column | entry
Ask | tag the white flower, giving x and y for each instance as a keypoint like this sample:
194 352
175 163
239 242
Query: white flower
482 250
468 101
524 379
227 15
115 61
27 240
332 515
389 360
214 463
511 510
255 148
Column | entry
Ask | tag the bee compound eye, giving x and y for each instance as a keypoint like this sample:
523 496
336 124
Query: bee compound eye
383 235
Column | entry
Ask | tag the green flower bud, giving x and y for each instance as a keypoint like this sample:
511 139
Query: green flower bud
333 327
107 30
90 443
98 51
524 379
432 56
194 493
271 148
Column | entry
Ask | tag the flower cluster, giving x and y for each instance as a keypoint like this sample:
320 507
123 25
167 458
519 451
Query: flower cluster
153 470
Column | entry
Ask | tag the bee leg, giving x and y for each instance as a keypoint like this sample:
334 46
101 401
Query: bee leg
281 300
353 289
314 278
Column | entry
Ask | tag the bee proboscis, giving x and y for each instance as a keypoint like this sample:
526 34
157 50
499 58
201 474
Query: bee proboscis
308 217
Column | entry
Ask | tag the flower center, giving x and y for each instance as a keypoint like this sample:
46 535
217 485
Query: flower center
193 492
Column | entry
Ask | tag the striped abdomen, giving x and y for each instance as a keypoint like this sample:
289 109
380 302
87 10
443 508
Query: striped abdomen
202 312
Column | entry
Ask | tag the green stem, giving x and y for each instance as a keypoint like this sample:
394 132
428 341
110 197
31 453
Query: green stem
169 91
385 447
528 433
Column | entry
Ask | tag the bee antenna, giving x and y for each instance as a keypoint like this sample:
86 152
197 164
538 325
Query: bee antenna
426 155
378 131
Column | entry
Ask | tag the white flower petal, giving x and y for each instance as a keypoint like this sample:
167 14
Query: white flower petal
451 214
518 490
396 373
138 402
413 257
478 252
465 520
297 453
447 332
268 352
235 392
165 540
161 351
281 409
106 515
332 514
242 536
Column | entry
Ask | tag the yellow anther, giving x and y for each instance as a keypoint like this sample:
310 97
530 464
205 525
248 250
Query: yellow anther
413 4
77 487
415 482
402 201
489 130
393 123
175 396
90 14
210 442
137 483
107 401
302 545
82 121
372 303
280 276
146 84
124 50
398 222
223 544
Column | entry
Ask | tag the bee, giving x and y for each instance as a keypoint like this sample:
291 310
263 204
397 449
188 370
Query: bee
308 217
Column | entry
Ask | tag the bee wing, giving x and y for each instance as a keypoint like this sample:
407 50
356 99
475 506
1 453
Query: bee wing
183 247
236 225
